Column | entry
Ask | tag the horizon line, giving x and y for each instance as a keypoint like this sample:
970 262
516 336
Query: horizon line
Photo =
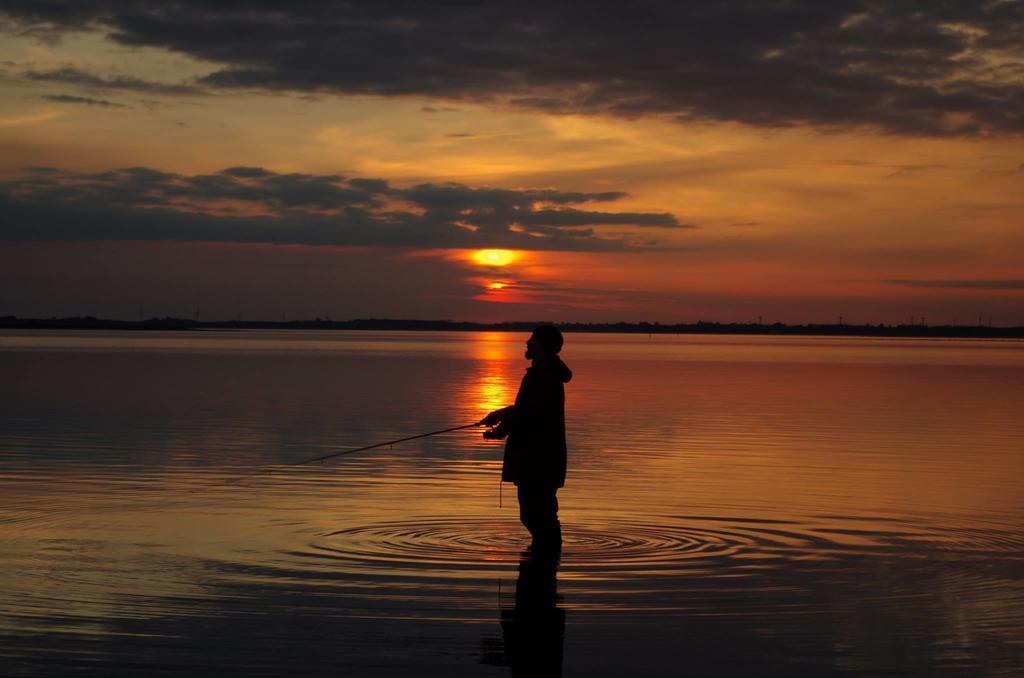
622 326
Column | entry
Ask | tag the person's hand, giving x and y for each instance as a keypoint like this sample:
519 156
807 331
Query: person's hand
491 419
495 434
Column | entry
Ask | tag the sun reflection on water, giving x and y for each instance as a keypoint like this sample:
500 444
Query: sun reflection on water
494 388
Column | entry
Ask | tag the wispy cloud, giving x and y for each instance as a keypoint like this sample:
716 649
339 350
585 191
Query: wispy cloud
88 101
1011 284
85 79
30 119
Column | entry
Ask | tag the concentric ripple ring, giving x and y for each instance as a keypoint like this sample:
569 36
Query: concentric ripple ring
621 545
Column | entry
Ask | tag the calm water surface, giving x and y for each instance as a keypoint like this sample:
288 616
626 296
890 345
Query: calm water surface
735 506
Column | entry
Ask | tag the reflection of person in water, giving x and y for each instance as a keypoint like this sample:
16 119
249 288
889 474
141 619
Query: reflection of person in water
533 632
535 453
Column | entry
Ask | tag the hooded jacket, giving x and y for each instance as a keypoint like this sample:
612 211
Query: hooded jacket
535 452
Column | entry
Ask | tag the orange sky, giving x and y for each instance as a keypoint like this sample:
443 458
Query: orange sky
798 223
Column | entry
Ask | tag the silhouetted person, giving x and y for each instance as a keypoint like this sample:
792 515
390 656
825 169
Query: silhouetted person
533 632
535 452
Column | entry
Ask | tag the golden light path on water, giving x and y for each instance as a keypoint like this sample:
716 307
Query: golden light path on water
497 385
788 496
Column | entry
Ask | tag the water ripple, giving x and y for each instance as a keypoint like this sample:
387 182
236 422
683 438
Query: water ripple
613 546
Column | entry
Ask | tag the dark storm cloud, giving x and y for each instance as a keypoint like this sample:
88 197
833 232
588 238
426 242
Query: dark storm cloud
963 284
941 67
89 101
74 76
253 204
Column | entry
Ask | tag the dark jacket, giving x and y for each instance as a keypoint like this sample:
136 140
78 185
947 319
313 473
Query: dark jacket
535 452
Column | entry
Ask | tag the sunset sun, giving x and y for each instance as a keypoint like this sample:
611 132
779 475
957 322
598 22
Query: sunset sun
495 257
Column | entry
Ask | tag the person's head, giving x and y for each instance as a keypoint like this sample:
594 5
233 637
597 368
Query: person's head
545 341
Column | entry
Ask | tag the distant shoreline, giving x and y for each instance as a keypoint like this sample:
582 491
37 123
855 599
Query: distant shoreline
781 329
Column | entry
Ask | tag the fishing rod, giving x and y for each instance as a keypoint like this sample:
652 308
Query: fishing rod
325 457
376 445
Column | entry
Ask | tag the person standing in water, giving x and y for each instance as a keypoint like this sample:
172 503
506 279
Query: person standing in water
535 452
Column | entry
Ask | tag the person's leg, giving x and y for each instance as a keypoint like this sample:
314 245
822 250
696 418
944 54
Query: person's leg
552 526
527 508
538 511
